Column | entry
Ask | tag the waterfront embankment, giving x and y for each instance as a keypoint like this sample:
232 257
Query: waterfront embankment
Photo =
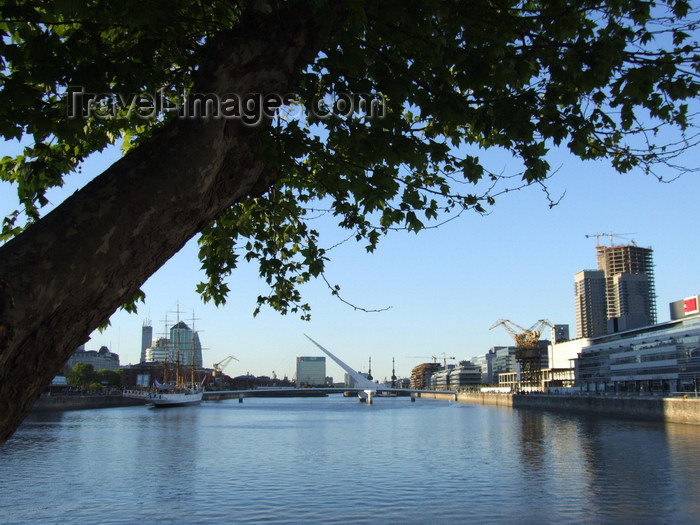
82 402
682 409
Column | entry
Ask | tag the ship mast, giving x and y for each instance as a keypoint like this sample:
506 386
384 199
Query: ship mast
193 334
178 377
165 358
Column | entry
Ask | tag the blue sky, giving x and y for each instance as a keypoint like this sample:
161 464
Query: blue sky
446 287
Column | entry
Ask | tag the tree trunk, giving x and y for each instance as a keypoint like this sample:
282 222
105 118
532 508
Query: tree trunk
66 274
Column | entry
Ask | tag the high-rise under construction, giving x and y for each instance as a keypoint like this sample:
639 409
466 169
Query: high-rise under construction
629 283
628 293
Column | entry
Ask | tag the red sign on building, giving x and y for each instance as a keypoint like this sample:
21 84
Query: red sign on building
690 305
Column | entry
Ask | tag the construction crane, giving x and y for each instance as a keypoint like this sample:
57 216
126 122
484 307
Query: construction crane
433 357
219 367
611 235
527 346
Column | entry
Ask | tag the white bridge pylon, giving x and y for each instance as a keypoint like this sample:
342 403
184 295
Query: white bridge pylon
366 389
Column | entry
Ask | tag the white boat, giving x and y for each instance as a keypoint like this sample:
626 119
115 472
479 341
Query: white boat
172 396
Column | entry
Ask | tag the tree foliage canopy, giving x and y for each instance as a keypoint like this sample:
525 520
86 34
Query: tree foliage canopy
84 375
452 78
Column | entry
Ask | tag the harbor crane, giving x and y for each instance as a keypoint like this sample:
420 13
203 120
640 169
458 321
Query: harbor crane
527 346
219 367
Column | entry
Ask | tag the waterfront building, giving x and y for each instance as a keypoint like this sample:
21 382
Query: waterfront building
482 362
629 285
440 380
631 303
501 360
557 372
659 358
311 371
620 295
146 338
590 303
180 346
560 333
685 307
144 375
420 375
160 351
561 364
453 377
563 355
466 374
533 380
185 341
403 382
101 359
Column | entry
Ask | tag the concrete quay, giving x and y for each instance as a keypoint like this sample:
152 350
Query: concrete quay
681 409
61 402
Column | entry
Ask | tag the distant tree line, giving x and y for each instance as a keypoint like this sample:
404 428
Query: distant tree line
86 377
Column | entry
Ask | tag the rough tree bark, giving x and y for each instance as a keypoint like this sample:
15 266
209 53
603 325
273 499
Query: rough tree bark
66 274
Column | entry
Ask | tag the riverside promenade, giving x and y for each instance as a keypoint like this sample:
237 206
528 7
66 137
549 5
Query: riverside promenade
678 409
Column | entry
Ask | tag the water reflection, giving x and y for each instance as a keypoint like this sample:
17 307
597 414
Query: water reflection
334 460
621 470
38 432
532 441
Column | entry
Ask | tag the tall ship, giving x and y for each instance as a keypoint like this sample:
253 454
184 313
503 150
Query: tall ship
167 395
179 391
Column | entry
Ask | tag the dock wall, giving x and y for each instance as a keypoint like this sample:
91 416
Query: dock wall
50 403
671 409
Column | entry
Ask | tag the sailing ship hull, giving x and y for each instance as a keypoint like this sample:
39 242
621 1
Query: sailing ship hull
174 399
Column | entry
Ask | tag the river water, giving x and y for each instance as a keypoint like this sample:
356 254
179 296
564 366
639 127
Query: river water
334 460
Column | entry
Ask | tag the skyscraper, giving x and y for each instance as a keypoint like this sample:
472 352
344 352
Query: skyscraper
186 342
620 295
591 307
629 286
146 338
311 371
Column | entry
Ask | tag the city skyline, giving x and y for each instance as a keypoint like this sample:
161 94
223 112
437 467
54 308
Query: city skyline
445 287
